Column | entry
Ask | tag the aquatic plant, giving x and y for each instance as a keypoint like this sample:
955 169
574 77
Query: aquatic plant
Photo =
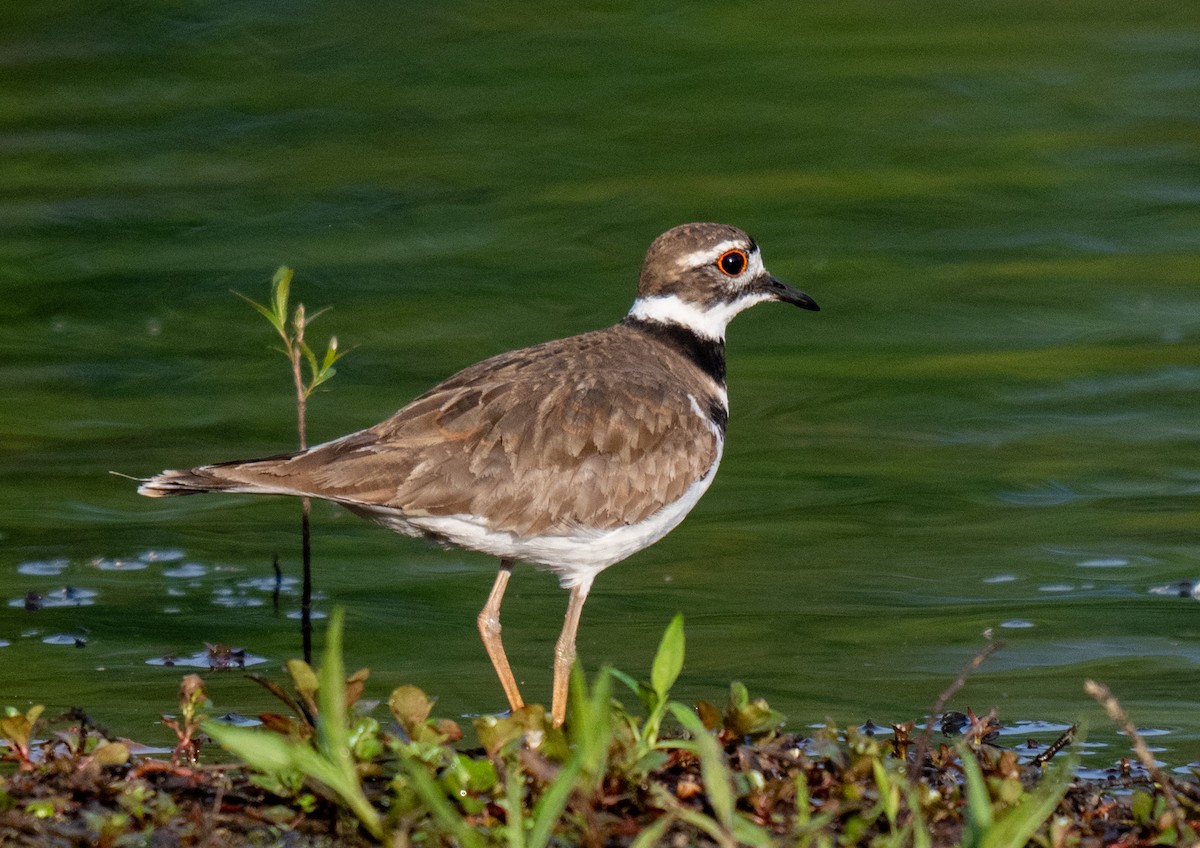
296 349
186 726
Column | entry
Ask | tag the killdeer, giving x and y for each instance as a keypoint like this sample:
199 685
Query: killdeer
569 455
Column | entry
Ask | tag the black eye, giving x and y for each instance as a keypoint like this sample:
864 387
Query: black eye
733 262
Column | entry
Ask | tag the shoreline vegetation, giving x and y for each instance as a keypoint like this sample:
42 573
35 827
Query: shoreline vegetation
328 770
331 768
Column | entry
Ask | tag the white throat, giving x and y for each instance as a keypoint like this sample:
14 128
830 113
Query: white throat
707 322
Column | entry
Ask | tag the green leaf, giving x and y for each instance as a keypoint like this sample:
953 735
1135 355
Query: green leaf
549 808
718 783
310 358
331 354
324 375
650 836
921 837
331 765
591 722
748 833
333 740
1014 828
514 802
978 818
281 285
266 313
111 754
739 695
304 679
410 707
1017 826
889 792
267 752
434 796
702 822
668 661
622 677
1142 807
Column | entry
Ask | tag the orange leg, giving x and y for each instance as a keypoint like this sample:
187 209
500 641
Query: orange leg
564 651
489 629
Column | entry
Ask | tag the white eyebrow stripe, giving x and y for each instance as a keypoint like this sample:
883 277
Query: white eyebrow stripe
703 257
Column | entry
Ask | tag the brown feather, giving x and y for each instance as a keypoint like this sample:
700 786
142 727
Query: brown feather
580 432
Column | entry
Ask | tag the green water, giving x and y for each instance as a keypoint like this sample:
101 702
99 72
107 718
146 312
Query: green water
992 422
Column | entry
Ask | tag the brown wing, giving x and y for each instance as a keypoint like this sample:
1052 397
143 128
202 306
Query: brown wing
570 433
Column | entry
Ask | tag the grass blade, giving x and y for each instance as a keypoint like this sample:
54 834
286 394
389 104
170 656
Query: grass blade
718 783
668 660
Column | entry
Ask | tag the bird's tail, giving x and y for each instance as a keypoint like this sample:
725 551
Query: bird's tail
251 477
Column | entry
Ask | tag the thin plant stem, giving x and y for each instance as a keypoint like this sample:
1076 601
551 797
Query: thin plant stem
305 503
296 351
1116 712
306 582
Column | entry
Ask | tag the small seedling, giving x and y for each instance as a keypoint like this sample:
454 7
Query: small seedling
191 701
16 730
291 330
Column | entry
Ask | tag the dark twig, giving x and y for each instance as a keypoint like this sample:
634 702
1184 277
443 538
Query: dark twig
86 721
926 739
1067 737
305 503
306 580
278 583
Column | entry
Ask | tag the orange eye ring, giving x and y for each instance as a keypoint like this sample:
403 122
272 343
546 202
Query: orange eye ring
733 262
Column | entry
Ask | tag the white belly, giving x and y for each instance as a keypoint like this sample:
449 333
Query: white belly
574 556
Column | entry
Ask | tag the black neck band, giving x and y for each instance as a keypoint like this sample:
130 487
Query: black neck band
707 354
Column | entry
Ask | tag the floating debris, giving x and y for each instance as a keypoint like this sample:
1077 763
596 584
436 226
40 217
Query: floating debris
1179 589
953 723
67 596
43 568
237 720
77 641
168 555
4 643
188 569
106 564
1016 624
214 657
